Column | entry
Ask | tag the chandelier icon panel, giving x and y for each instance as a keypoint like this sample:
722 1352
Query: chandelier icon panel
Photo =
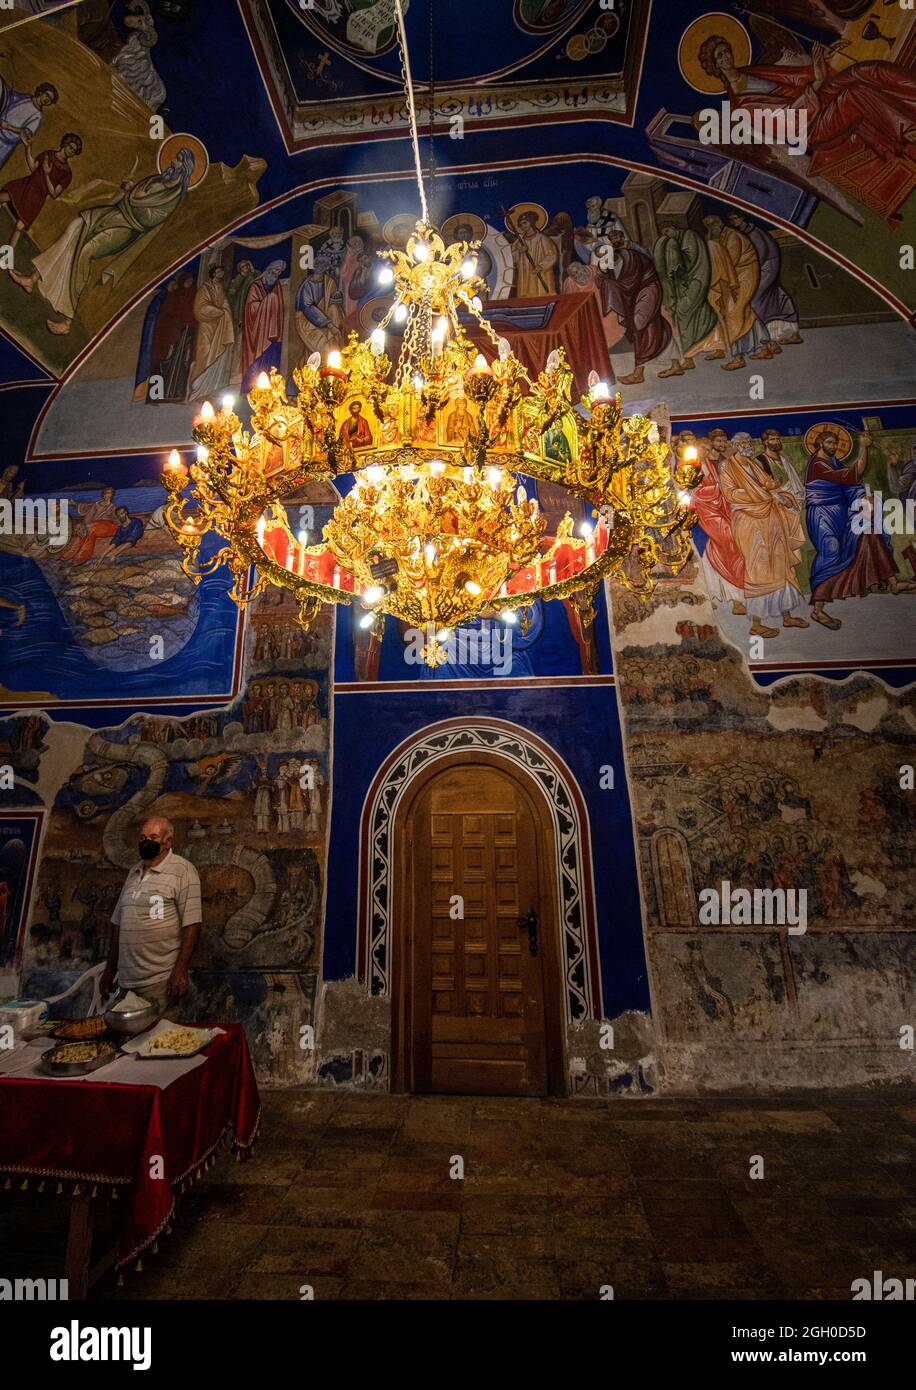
435 530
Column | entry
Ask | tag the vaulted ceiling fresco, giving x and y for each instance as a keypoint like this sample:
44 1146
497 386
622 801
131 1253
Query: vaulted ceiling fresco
196 156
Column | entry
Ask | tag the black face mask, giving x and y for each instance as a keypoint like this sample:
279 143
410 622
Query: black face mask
149 848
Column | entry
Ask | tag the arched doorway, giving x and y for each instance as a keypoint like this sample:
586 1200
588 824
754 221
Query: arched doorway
476 974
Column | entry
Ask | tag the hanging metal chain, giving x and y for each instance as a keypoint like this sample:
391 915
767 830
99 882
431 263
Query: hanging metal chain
432 106
411 106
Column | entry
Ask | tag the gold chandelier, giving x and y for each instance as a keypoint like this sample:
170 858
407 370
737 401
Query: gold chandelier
435 530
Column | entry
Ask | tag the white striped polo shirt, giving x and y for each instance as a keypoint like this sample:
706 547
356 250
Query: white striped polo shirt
155 906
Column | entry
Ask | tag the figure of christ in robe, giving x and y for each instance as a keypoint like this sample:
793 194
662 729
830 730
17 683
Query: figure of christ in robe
535 257
769 534
683 266
720 559
734 278
633 292
102 232
867 103
215 336
262 337
847 564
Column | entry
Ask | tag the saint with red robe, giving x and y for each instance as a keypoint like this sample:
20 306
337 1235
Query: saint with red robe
870 105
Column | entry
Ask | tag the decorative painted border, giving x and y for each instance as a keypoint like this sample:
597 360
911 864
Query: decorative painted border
612 97
575 885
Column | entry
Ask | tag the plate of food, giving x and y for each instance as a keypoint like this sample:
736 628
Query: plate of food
173 1040
77 1058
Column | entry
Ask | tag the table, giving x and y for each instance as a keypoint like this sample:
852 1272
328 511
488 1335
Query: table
138 1142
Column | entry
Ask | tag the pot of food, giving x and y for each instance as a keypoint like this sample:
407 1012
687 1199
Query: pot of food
130 1014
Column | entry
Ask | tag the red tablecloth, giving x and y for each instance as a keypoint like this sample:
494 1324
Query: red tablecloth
84 1133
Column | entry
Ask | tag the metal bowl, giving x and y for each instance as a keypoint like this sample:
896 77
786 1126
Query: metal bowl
107 1053
128 1025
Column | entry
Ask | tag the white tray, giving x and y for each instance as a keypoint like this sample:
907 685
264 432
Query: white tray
140 1046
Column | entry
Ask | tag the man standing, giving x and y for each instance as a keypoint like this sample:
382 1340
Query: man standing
772 304
682 262
847 563
773 461
633 291
720 559
49 174
769 535
21 115
262 336
734 279
156 922
215 336
535 256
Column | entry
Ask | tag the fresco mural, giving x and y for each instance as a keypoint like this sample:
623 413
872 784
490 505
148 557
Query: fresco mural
781 553
97 197
19 836
705 304
761 301
103 606
345 78
769 818
246 788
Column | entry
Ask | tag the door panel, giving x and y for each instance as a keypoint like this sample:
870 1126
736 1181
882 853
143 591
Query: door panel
477 1005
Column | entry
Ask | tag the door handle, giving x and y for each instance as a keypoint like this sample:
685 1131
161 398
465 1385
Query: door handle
529 923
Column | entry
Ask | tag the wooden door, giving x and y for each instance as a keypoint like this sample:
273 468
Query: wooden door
475 866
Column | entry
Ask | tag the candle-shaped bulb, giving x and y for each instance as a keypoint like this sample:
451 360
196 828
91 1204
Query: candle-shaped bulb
553 360
468 266
203 453
599 391
368 620
476 303
386 275
174 460
260 528
377 340
690 454
480 363
505 348
263 382
206 411
314 361
420 251
228 402
440 329
400 313
303 537
334 360
430 553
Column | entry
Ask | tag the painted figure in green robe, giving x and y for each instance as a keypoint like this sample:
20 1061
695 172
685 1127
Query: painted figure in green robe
105 231
683 266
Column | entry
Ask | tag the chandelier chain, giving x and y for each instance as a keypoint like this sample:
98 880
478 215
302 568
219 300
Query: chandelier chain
411 107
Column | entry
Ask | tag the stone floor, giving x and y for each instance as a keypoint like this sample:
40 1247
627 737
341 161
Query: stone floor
352 1194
